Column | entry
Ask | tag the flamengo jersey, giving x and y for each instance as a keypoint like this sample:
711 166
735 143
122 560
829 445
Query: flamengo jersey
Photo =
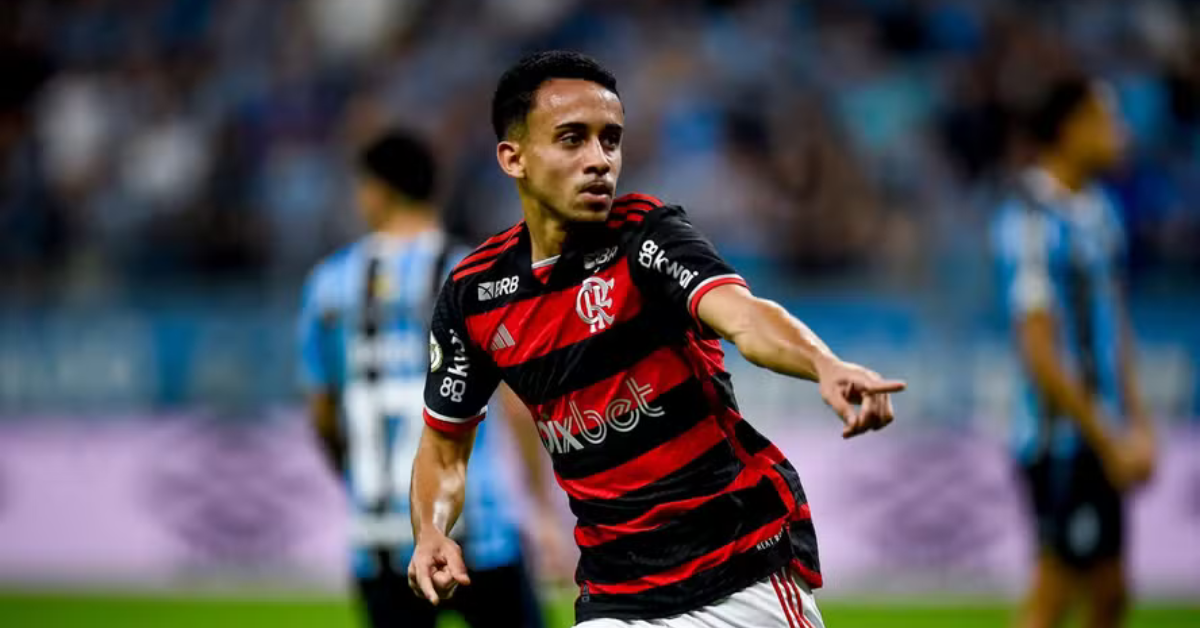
679 501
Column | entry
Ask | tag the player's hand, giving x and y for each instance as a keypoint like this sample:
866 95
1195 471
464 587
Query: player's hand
436 568
859 396
1131 460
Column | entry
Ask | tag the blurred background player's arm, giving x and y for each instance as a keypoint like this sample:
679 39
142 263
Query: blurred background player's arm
768 336
548 539
1141 433
1037 344
317 369
323 412
1126 463
1135 408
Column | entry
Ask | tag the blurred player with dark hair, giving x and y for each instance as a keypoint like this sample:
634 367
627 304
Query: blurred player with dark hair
1083 438
604 315
363 342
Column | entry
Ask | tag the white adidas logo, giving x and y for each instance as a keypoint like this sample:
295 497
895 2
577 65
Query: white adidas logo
502 339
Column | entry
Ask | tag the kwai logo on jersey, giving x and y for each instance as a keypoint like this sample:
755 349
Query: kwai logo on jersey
592 303
651 255
581 428
489 290
596 259
454 384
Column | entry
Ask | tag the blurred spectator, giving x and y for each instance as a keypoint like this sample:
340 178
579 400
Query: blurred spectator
824 134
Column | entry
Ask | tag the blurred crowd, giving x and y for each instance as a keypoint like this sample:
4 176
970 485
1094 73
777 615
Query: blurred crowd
208 140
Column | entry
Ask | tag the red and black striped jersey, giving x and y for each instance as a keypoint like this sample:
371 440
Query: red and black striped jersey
679 501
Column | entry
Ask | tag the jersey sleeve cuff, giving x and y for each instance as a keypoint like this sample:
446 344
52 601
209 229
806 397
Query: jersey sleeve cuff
703 288
452 425
1031 291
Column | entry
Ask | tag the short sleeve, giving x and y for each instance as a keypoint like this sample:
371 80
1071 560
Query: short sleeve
674 260
1023 243
461 377
315 334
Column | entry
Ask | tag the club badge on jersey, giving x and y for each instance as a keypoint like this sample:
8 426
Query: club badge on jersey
593 303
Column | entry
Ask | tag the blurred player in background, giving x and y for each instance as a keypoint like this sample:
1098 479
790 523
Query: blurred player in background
604 316
364 336
1083 438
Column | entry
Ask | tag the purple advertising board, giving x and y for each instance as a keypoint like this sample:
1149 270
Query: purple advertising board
170 501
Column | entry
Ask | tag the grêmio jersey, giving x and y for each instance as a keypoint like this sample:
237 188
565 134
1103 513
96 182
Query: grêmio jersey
1063 253
679 501
362 336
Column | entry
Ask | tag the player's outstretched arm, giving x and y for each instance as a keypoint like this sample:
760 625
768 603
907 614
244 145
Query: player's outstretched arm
768 336
439 482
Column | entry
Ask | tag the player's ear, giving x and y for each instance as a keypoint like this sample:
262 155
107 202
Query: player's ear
511 159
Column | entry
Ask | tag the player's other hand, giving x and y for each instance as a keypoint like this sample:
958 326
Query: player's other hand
436 568
1130 461
860 396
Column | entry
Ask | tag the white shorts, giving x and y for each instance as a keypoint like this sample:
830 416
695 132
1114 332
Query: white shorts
781 601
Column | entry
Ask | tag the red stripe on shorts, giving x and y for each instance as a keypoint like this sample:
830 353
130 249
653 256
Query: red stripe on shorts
787 612
790 584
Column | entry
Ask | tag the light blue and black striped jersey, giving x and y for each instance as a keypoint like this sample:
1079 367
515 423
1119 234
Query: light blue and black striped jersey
363 334
1063 253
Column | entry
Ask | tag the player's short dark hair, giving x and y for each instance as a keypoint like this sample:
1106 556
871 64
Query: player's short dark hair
1057 104
519 85
402 162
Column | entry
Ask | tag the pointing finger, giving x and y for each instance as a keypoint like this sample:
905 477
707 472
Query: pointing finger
884 386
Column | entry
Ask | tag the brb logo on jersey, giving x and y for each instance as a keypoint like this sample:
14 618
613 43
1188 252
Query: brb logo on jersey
489 290
593 302
596 259
622 414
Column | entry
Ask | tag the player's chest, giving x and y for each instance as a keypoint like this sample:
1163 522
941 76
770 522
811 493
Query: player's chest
520 319
1085 254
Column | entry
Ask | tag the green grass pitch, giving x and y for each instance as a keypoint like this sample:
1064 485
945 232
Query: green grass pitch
70 610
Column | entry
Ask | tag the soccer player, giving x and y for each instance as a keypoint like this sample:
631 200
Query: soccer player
1083 438
363 343
604 314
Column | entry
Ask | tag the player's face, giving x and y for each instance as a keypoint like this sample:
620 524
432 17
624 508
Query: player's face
570 153
1096 134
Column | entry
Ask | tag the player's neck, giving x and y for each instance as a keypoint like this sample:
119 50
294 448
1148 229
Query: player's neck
406 223
1064 171
547 232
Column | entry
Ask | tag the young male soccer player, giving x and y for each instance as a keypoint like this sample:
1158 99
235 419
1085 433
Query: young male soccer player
1082 436
603 314
363 343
